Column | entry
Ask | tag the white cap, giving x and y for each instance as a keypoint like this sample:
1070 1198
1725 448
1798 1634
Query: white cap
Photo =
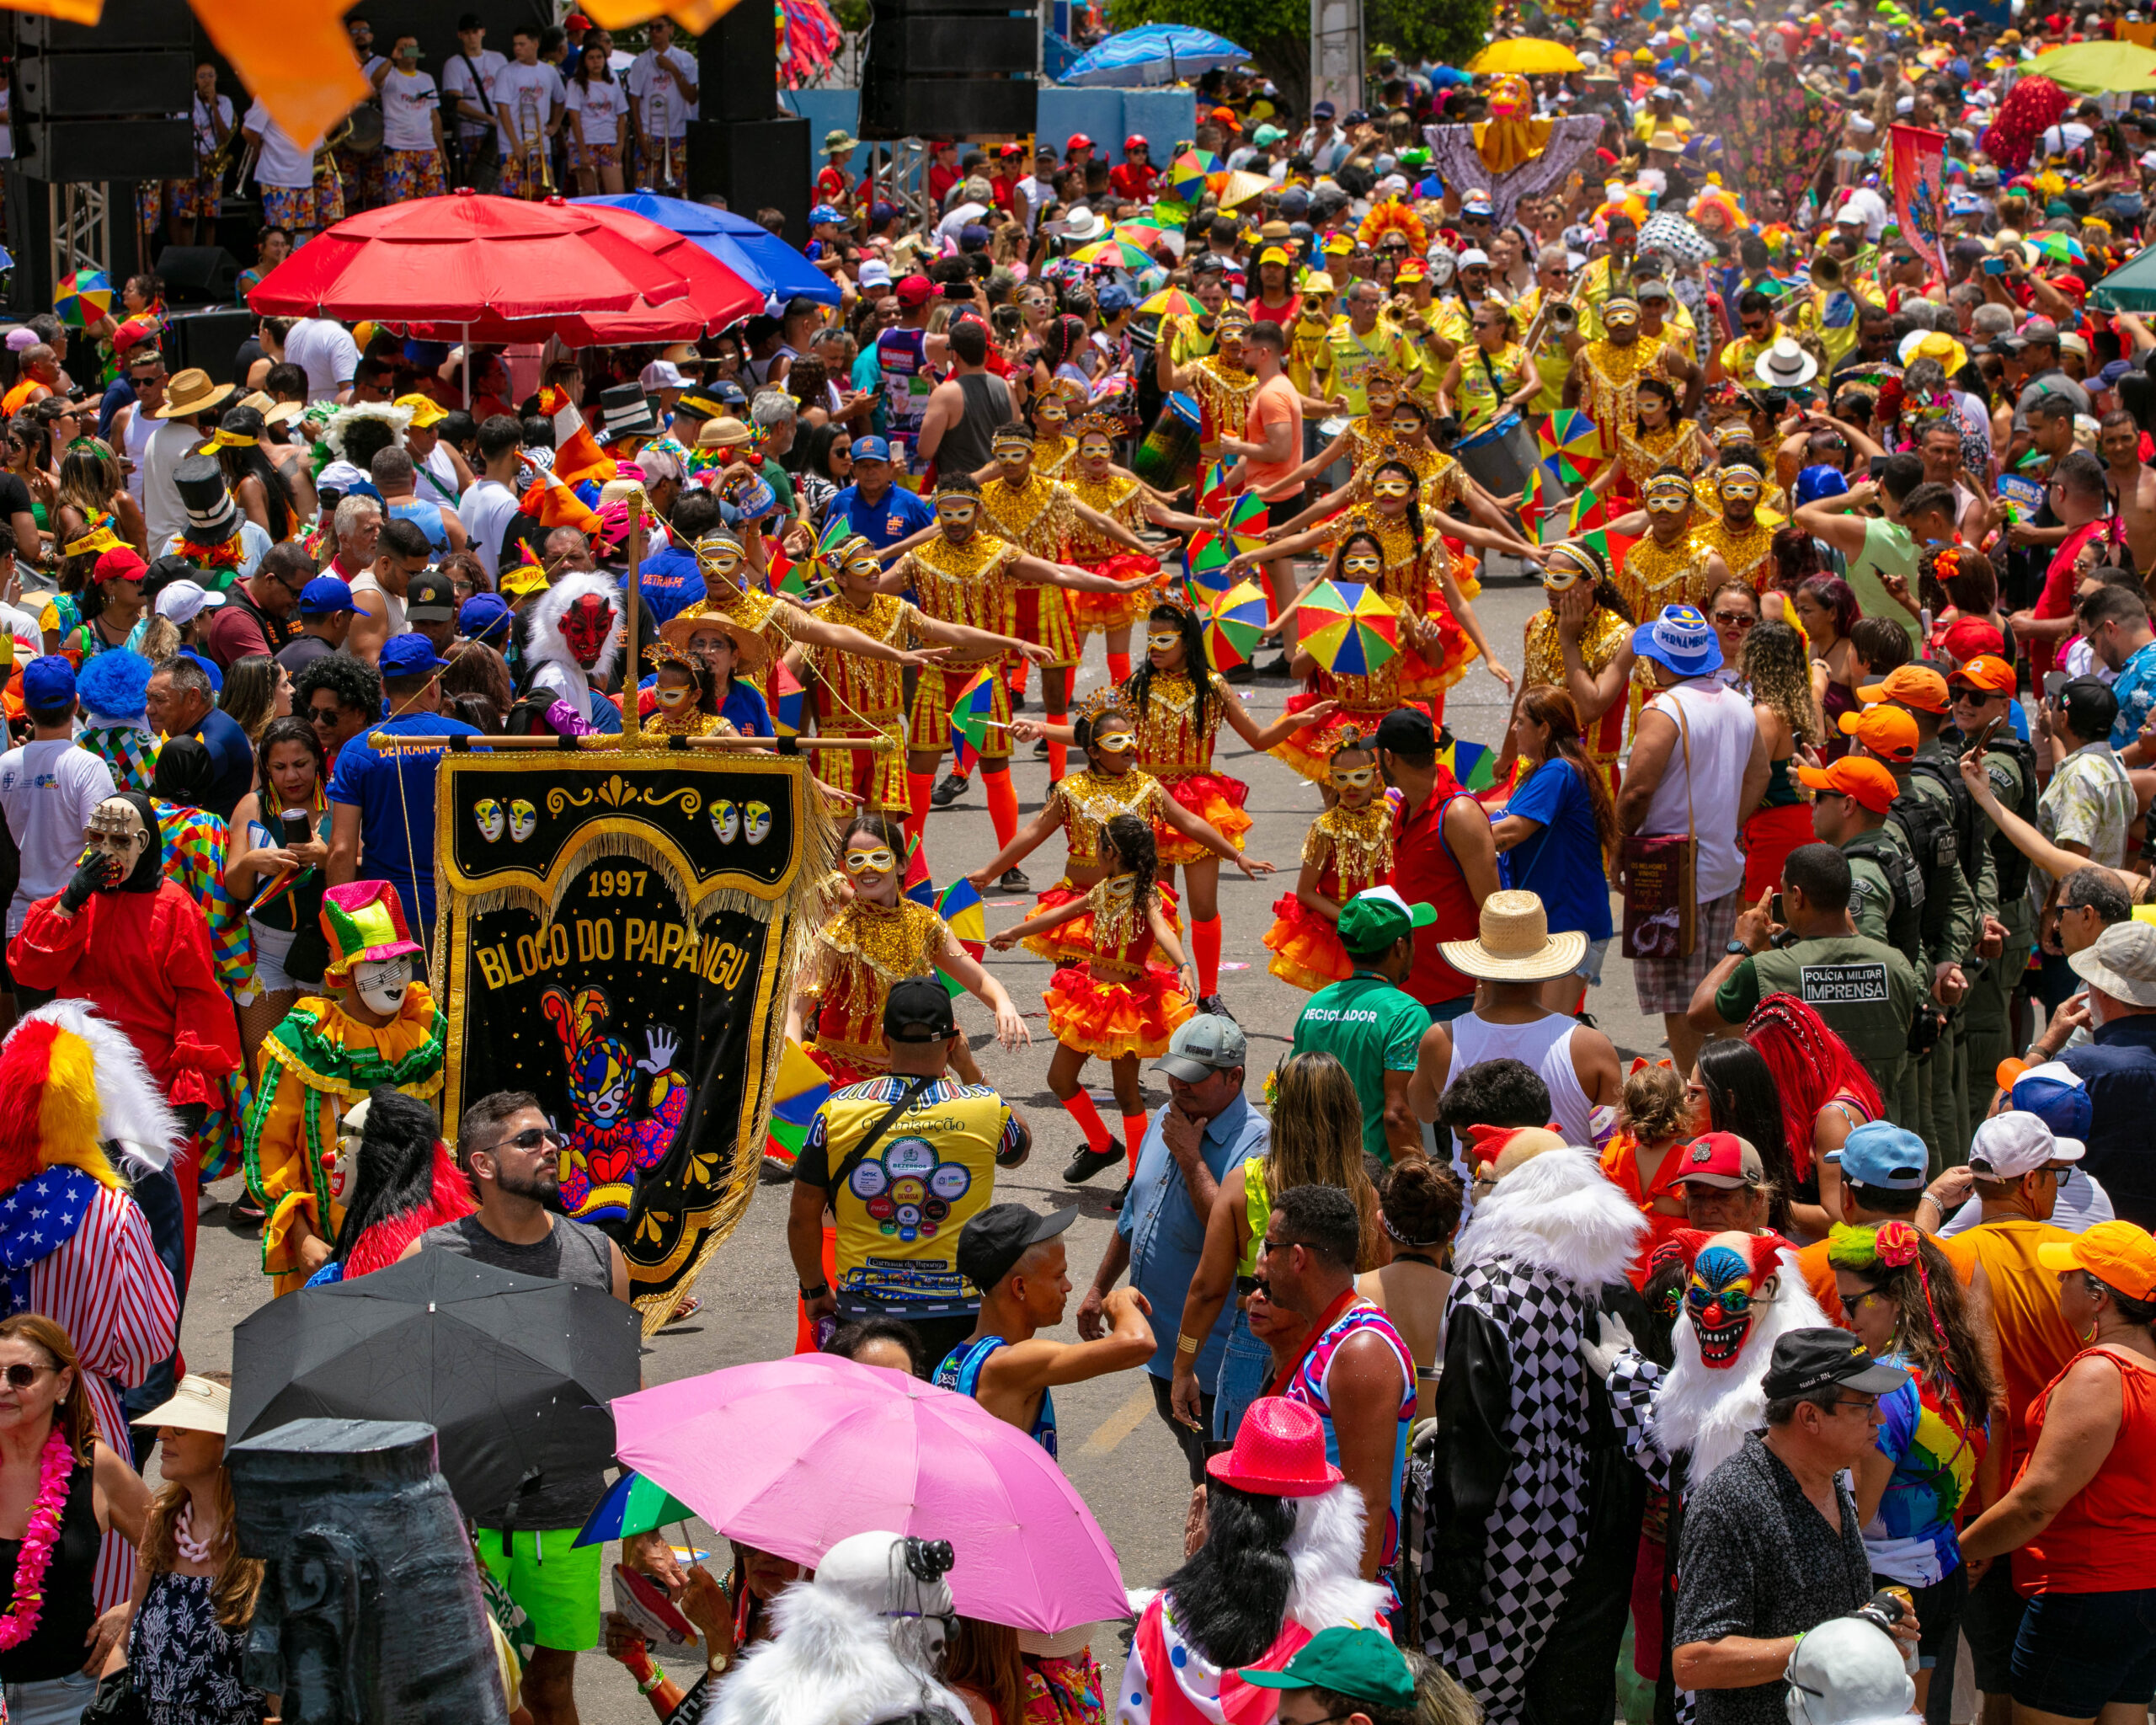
662 374
875 273
1860 125
183 601
1846 1671
2008 1145
1473 255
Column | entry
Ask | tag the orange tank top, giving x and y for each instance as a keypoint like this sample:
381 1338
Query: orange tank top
2103 1541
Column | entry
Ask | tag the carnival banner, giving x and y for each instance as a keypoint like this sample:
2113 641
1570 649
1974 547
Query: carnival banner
620 929
1919 157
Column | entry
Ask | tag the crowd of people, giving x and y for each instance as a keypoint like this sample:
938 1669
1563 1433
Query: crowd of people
1512 1377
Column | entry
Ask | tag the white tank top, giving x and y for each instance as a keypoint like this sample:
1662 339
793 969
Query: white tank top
1722 730
140 426
1546 1046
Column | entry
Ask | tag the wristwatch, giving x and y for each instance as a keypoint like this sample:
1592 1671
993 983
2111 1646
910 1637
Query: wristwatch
1736 949
817 1292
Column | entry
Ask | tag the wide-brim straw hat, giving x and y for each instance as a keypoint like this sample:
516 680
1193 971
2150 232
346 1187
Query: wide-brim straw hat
1515 944
751 653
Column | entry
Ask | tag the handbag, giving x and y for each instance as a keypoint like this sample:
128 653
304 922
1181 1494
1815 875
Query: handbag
1661 902
115 1702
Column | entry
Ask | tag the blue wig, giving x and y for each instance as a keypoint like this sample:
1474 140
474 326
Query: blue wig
115 684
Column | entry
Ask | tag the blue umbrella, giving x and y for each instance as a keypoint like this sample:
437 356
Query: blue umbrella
757 256
1155 54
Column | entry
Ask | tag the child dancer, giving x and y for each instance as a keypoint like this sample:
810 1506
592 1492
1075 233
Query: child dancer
1348 848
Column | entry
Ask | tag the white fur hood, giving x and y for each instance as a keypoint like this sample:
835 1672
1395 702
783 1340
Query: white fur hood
1560 1214
829 1662
546 643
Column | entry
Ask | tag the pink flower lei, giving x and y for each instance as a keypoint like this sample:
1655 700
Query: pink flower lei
56 1466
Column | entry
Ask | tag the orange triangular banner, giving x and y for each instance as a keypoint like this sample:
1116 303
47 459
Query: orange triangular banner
82 12
294 55
694 16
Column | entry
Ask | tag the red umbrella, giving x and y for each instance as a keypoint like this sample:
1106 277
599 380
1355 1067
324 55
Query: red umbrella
716 295
474 262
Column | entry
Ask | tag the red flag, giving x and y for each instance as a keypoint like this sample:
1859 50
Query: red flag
1919 160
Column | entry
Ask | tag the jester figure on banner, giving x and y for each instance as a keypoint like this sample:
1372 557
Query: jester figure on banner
624 1109
1919 159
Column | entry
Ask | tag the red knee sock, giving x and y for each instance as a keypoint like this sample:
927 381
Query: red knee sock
1134 1135
1205 953
1119 668
1080 1108
1015 678
1002 803
918 785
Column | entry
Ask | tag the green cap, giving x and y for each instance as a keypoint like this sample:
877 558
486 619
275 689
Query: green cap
1371 921
1360 1663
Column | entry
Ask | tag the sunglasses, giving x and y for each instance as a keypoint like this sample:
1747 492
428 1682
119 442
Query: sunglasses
531 1138
1735 619
323 715
21 1376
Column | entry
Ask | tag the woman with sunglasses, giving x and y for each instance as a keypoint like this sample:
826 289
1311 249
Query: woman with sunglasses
30 459
1491 376
277 847
879 937
58 1474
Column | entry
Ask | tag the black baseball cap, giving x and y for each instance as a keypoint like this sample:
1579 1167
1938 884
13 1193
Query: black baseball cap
994 1240
429 598
1407 730
2089 705
918 1010
1807 1360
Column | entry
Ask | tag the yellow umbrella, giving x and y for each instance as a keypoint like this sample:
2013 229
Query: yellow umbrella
2098 68
1526 55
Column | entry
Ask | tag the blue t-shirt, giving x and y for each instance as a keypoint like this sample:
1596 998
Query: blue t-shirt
395 796
1562 864
233 756
672 583
898 514
2135 686
744 710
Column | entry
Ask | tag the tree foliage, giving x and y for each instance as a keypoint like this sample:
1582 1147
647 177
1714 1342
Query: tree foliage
1445 32
1276 32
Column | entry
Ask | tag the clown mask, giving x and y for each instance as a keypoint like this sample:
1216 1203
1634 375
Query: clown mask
340 1163
726 821
116 831
489 814
585 627
756 821
381 985
522 819
1720 1296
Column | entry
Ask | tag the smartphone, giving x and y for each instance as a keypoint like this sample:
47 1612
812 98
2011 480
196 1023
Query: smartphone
1878 466
298 829
1994 266
2053 682
1775 913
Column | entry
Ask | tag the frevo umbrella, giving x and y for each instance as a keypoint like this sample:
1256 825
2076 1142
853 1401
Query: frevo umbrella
1349 628
468 258
1153 53
2097 68
513 1372
757 256
792 1455
1526 56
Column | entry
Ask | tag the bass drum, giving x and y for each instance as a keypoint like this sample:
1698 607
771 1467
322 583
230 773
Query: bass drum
364 137
1167 459
1500 456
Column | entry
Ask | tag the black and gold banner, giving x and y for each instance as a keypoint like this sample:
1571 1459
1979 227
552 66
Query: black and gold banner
621 929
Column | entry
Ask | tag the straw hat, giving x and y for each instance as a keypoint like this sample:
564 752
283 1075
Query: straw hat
1516 944
725 432
197 1404
191 391
751 652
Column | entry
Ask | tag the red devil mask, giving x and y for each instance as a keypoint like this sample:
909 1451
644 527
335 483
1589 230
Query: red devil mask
585 626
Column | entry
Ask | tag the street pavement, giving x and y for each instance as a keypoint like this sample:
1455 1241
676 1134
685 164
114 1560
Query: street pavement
1114 1447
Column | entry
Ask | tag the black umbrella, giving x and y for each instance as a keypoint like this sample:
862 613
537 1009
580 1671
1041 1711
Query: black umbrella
513 1372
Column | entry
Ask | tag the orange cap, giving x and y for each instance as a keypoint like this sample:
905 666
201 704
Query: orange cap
2117 1254
1853 775
1887 731
1916 685
1994 676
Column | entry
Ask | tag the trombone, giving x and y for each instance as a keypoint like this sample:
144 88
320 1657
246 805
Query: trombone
531 138
659 110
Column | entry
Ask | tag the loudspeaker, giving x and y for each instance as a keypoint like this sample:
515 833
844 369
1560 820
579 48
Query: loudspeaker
73 150
194 273
123 24
64 86
950 68
210 340
753 163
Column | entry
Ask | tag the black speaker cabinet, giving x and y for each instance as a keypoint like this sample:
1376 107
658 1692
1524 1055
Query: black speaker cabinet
754 164
950 68
194 273
210 340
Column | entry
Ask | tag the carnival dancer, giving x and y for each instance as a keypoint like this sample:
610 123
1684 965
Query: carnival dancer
876 938
1178 716
393 1177
1367 437
1107 489
961 575
1348 849
382 1025
1606 373
1743 534
1117 1003
1517 1493
855 696
1653 437
685 692
1581 641
1055 440
1221 383
1284 1543
1669 563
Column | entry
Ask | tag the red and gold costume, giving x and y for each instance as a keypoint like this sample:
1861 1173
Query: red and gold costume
1364 700
1411 581
1612 377
1352 848
1038 520
696 722
1123 1001
1441 481
1652 578
866 698
1122 498
1084 803
1175 749
963 584
1053 454
1641 454
859 954
1603 636
1746 554
1223 393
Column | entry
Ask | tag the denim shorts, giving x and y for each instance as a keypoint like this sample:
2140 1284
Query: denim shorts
2078 1653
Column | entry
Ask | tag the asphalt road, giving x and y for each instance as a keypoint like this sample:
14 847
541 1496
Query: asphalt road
1114 1447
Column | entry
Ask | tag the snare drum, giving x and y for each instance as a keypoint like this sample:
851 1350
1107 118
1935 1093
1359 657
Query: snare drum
1500 456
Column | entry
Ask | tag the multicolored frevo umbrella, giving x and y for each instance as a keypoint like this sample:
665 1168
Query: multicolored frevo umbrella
82 297
1349 629
1189 172
803 1087
1569 433
1113 253
1234 623
1171 302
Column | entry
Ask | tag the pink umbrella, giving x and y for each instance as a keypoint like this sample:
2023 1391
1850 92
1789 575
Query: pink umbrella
792 1455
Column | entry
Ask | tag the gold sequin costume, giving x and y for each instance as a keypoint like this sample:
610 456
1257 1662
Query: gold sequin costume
1442 481
1052 455
1364 700
1223 395
1085 801
698 724
963 584
1122 498
859 954
1602 640
1747 552
1411 582
865 697
1353 850
1641 454
1174 749
1039 520
1651 579
1612 379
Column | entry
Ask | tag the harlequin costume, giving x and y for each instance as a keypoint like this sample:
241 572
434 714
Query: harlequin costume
322 1059
859 954
1353 849
1085 801
114 690
1123 1001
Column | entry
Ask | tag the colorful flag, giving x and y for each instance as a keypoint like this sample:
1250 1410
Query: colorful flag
960 905
969 712
1919 164
577 454
802 1088
789 699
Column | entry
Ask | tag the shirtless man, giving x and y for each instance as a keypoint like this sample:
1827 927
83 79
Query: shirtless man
1015 1256
2133 486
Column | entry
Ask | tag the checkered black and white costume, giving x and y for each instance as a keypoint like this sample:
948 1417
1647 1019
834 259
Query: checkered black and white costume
1507 1513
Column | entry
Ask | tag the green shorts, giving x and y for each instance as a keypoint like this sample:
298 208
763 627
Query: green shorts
554 1579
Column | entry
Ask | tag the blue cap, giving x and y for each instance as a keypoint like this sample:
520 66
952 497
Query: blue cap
48 682
326 595
1682 639
824 212
408 656
1882 1155
484 617
871 449
210 669
1112 298
2055 1095
1820 481
728 391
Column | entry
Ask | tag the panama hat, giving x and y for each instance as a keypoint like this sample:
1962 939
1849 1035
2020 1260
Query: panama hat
1515 944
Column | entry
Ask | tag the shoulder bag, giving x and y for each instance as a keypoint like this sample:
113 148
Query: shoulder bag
1661 902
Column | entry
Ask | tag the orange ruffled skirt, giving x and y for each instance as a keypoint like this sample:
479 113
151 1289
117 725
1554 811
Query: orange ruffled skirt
1109 1019
1106 612
1418 676
1309 750
1212 796
1305 947
1072 942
